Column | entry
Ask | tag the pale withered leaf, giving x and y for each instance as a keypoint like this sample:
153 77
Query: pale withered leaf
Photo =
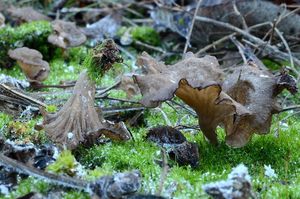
255 89
78 121
161 83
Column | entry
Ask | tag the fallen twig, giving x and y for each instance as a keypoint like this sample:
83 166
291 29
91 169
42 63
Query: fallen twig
187 43
279 54
164 171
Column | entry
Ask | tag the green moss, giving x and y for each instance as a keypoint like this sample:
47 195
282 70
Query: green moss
101 58
24 131
145 34
215 162
32 35
64 164
28 185
51 109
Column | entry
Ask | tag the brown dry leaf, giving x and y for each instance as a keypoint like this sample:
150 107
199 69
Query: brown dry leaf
78 121
162 81
32 63
128 85
212 106
66 34
255 89
149 65
27 14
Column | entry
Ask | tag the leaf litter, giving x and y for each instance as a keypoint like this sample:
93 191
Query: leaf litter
241 101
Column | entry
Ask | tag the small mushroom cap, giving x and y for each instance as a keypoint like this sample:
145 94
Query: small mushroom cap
31 62
66 34
2 20
27 14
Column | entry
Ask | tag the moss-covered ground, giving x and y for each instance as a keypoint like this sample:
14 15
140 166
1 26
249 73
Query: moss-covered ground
279 149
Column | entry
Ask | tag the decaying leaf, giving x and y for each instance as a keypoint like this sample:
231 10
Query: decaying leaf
179 149
120 185
66 34
186 153
17 102
78 121
13 82
106 27
165 135
256 90
128 85
161 86
27 14
21 152
31 62
237 186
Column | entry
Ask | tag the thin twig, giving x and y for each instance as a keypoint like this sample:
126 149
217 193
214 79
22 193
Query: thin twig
117 99
225 38
236 10
168 122
289 108
212 45
272 49
192 112
150 47
286 45
48 177
109 88
164 171
187 43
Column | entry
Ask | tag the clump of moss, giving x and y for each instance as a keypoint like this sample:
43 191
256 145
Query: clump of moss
101 58
32 35
64 164
24 131
51 109
145 34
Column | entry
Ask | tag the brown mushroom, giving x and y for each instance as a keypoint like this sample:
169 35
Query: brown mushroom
31 62
78 122
212 106
2 20
66 34
27 14
194 80
161 83
256 90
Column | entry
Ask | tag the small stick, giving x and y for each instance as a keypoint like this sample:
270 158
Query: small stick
48 177
289 108
257 40
236 10
109 88
225 38
212 45
150 47
23 96
192 112
164 172
117 99
187 43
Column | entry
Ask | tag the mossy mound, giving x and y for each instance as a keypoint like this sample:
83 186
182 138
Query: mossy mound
32 35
